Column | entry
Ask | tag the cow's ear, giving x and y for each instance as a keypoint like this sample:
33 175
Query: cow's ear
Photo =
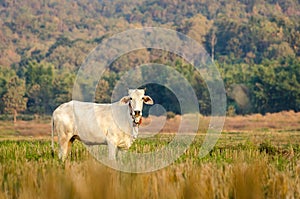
125 100
148 100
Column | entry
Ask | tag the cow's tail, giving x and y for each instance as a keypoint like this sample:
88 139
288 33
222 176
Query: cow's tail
52 137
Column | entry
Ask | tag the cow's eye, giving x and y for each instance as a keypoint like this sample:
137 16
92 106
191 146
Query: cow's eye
130 98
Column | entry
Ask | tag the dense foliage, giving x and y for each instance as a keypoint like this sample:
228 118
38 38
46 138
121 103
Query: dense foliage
255 44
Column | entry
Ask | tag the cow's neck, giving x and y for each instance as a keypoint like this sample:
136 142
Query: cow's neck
135 126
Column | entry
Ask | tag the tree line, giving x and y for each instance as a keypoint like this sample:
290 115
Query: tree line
258 88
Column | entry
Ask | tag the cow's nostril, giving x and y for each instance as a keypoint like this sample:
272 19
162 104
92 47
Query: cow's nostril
137 113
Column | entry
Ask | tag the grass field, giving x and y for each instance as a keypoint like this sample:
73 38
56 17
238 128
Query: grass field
255 157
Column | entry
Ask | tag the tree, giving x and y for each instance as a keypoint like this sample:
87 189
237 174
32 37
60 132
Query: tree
14 100
5 75
102 92
39 83
63 87
278 88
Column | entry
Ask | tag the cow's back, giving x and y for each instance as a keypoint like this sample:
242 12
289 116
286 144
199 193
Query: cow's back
79 118
93 123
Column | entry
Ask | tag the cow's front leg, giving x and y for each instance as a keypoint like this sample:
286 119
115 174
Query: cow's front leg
135 132
63 147
112 151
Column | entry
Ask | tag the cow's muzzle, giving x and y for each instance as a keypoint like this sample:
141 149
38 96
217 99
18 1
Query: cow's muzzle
137 117
137 113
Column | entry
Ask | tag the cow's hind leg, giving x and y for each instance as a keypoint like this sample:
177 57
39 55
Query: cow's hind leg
72 139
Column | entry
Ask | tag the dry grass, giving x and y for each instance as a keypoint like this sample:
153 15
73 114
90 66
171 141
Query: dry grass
27 170
89 179
256 157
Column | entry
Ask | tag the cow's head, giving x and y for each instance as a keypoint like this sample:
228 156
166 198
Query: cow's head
136 98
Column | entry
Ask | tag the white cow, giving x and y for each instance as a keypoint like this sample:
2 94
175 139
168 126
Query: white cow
93 124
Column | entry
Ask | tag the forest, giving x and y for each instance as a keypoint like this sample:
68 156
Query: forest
254 43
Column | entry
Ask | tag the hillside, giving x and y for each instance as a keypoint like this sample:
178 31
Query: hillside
253 43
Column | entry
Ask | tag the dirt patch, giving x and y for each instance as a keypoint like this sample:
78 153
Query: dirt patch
287 121
25 128
282 121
